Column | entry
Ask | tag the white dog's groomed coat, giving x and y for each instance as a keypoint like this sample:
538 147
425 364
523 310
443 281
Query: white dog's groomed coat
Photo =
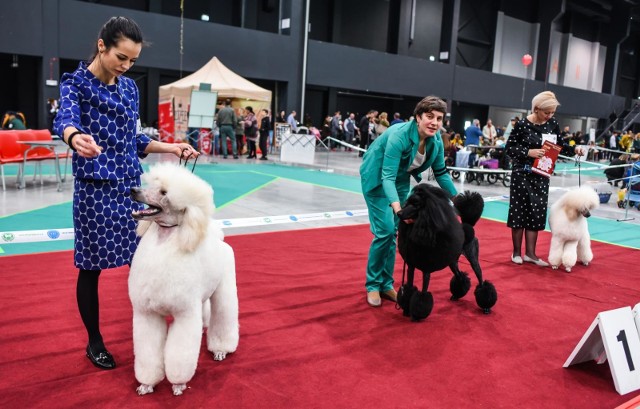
181 268
570 239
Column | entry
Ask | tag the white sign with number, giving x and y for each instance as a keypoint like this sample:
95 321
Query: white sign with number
613 336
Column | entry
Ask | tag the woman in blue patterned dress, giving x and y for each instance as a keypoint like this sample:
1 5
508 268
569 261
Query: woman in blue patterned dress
529 191
98 118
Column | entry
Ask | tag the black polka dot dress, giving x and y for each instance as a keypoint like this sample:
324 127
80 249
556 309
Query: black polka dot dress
105 235
529 192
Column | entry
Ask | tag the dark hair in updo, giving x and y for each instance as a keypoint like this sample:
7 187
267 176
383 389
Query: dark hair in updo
116 29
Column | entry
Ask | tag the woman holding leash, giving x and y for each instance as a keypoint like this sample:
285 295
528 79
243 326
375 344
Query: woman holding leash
529 191
98 118
402 151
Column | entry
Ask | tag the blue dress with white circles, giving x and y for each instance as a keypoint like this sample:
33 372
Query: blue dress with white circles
105 234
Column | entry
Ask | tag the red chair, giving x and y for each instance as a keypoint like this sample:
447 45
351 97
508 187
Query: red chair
11 152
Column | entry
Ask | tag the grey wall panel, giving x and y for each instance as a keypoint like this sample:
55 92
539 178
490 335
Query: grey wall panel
355 68
21 27
481 87
248 52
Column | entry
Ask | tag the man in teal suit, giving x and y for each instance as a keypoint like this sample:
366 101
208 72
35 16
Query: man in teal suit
402 151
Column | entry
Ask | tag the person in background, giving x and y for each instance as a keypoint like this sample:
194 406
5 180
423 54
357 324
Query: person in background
14 120
509 128
365 137
473 134
489 133
473 137
396 119
615 175
335 126
613 144
626 141
239 130
529 191
403 151
282 117
227 122
251 132
291 120
566 133
381 124
265 127
635 147
98 119
350 129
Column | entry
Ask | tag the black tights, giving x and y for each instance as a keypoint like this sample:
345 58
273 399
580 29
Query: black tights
88 305
530 238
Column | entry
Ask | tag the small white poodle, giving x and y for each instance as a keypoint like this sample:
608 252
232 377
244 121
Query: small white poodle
570 239
182 269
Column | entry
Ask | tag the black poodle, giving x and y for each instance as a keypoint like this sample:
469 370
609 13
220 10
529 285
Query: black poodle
435 240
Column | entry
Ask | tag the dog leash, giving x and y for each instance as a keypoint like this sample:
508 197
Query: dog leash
186 160
404 266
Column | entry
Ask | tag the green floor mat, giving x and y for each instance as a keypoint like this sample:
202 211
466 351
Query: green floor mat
604 230
230 183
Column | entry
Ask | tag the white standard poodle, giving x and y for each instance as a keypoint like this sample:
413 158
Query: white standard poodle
182 269
570 240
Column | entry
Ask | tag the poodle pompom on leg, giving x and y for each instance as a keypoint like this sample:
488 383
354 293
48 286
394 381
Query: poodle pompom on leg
183 347
459 284
422 301
178 389
585 255
421 305
486 296
144 389
405 293
223 333
555 251
149 336
569 255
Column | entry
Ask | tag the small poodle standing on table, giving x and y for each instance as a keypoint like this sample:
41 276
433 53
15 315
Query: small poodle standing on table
183 269
570 240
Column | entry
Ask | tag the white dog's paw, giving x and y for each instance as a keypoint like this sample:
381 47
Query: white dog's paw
568 269
179 388
144 389
585 263
219 356
554 267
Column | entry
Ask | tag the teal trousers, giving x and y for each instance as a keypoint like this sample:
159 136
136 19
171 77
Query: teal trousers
382 253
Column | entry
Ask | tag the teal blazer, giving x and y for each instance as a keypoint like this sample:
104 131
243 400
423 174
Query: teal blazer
386 162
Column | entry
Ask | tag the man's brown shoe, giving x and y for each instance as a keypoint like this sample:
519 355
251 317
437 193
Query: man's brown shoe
390 295
373 298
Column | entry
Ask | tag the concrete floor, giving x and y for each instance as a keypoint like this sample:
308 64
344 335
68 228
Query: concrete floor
287 197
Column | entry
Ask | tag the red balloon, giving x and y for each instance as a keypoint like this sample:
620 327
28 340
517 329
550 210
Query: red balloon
526 59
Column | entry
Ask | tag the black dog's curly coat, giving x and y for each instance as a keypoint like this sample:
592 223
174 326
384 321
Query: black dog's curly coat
435 240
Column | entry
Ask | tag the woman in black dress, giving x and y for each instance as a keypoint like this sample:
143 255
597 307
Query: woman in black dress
529 192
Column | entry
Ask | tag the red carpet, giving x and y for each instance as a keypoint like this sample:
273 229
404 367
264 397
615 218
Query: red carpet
308 339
